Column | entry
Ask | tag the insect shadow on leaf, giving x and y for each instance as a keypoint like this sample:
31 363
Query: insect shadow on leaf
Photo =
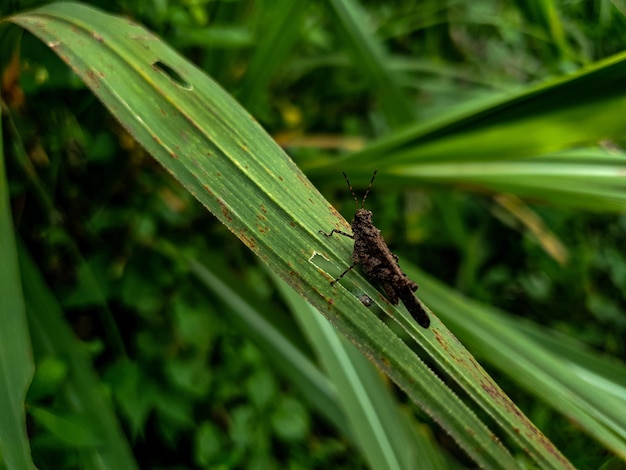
378 263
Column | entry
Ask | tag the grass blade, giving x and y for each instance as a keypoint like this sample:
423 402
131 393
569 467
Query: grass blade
82 392
580 386
521 143
371 57
380 429
16 357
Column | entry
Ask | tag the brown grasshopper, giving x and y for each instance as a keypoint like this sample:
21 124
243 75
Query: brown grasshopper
379 264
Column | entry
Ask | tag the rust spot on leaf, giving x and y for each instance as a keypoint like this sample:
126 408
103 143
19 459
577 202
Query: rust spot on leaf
440 340
247 240
225 211
304 180
92 78
335 212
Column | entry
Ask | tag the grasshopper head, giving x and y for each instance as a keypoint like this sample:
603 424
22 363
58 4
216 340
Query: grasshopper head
362 217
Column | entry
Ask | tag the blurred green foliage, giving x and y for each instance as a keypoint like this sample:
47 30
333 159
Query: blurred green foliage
190 390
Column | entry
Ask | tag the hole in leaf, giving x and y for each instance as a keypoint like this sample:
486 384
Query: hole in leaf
172 74
324 264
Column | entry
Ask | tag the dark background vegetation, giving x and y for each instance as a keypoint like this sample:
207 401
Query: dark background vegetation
190 389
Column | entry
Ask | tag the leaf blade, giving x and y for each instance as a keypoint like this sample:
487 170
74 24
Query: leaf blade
16 361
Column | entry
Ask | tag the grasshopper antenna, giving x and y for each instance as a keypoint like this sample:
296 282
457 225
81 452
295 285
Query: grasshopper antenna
356 201
368 189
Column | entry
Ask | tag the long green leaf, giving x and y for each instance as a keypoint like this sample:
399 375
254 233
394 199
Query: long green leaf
521 143
16 361
216 150
382 432
82 392
577 384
